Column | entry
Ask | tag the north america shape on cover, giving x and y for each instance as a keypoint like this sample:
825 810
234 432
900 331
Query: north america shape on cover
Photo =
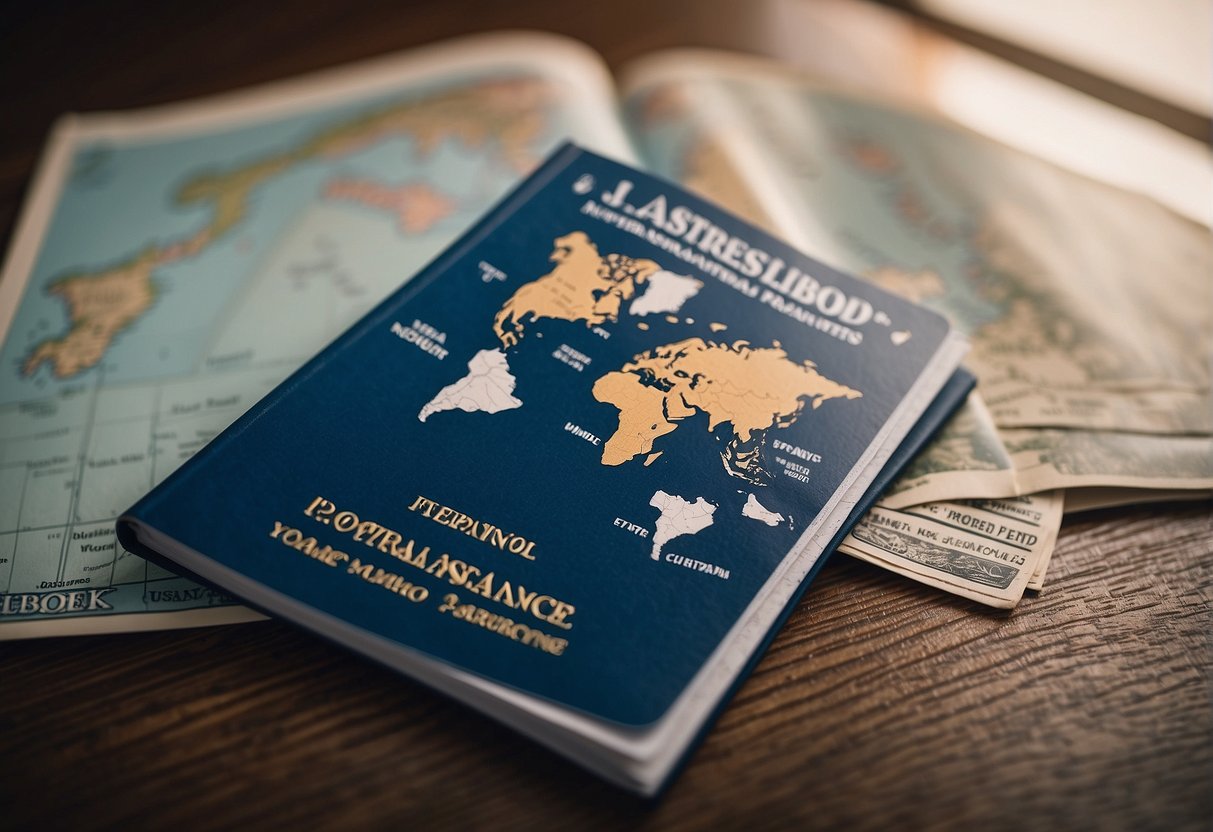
583 286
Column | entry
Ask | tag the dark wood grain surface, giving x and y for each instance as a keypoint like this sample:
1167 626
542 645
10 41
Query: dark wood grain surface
882 705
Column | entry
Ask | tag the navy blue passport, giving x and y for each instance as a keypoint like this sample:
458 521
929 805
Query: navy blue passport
576 471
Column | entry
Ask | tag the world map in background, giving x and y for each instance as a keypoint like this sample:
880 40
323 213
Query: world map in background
1066 333
494 124
181 279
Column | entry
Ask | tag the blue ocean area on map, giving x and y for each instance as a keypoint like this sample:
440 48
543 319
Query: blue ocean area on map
231 317
98 225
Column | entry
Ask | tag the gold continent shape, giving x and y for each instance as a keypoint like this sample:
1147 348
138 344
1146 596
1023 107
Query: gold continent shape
583 286
750 388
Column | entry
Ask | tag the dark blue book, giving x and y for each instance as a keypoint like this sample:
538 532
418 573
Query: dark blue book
577 470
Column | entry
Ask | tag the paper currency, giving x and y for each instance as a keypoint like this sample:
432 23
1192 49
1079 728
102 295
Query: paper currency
986 550
969 459
1078 458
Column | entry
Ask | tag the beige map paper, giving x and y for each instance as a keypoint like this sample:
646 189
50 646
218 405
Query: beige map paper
965 460
1090 309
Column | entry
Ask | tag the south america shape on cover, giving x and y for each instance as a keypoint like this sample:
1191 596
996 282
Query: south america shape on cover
579 423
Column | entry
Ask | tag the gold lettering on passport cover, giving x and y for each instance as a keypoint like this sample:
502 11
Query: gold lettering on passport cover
455 571
480 530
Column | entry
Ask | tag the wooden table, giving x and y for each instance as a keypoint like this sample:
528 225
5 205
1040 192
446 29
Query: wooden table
883 704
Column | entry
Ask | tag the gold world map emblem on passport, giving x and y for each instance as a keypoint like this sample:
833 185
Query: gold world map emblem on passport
752 389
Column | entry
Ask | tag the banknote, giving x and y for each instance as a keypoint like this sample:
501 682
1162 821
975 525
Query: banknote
986 550
1109 468
1037 582
1050 458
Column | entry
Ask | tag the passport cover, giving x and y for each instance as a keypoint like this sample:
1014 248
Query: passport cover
571 452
